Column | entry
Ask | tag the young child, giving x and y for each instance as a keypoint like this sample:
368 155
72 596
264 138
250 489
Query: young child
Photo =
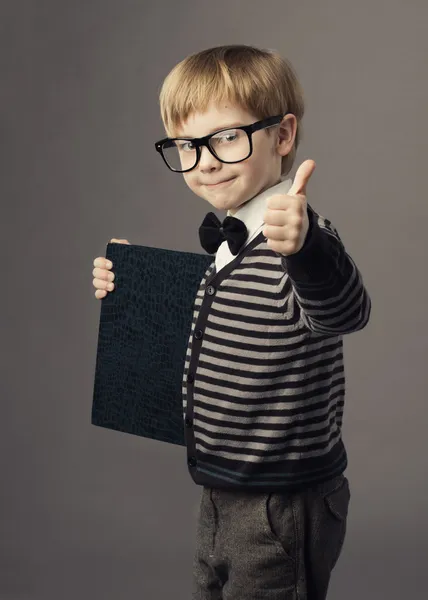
264 384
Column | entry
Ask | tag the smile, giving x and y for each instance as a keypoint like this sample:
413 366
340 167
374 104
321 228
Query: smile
220 184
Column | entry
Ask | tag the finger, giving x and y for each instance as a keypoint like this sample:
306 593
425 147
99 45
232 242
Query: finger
100 294
287 247
103 274
102 284
281 233
103 263
275 217
279 218
273 233
280 202
285 203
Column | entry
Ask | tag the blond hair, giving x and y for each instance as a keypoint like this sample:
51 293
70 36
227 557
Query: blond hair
259 81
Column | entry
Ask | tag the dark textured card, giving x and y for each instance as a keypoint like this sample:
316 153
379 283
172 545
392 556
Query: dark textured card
142 340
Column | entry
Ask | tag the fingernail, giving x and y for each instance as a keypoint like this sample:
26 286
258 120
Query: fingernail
109 264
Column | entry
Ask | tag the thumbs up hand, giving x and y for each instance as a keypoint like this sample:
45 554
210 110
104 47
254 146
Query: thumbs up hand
286 219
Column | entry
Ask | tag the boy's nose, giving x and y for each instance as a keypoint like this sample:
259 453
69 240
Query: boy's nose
207 160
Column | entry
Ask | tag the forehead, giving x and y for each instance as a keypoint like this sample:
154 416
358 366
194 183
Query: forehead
215 117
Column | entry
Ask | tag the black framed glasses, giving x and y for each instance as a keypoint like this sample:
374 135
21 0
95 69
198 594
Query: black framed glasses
231 145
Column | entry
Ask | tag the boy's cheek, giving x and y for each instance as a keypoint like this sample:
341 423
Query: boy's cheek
189 177
192 184
188 180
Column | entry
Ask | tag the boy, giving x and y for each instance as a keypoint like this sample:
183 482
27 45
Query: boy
263 387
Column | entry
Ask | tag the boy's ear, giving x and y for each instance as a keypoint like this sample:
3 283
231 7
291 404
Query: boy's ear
286 134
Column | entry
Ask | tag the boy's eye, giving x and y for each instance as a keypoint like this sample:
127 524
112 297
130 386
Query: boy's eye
226 136
185 146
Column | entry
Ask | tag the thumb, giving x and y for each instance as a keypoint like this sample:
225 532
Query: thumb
303 174
116 241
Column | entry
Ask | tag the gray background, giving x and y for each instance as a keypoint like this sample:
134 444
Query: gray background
91 513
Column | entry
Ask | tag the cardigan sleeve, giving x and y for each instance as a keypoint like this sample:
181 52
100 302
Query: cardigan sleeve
327 284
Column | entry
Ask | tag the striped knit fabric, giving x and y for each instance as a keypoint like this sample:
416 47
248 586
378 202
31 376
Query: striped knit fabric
264 381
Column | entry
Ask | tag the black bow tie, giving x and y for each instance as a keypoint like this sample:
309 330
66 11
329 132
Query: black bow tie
213 232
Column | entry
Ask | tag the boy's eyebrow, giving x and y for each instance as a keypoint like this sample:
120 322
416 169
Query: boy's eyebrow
219 128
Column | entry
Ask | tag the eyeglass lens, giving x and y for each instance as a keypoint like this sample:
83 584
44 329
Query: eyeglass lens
231 146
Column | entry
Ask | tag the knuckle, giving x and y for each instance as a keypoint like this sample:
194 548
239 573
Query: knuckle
289 246
295 220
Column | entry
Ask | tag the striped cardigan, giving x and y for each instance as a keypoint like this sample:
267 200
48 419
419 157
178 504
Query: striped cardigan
264 381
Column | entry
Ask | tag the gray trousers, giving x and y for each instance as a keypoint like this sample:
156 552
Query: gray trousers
269 546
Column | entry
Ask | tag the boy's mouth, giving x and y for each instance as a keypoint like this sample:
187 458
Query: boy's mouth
219 183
